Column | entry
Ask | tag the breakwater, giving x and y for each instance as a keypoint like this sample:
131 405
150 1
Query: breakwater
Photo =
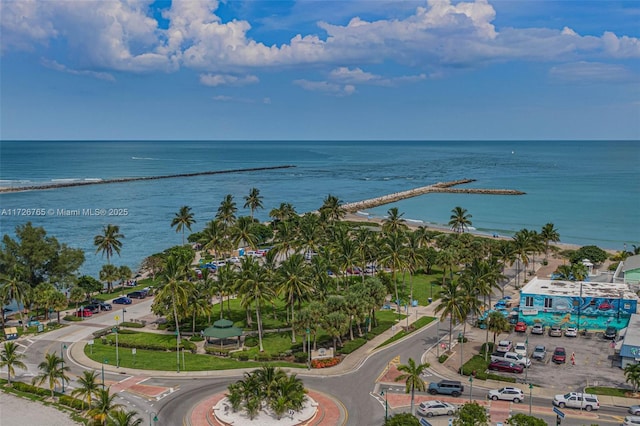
55 185
437 187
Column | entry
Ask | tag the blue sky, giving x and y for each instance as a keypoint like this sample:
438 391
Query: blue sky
419 70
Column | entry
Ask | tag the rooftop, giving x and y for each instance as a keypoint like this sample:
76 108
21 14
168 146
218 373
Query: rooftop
632 335
579 288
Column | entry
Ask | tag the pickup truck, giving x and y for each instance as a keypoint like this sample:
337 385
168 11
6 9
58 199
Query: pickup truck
511 357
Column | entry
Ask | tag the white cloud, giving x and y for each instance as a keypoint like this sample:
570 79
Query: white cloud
62 68
227 80
592 72
123 35
326 87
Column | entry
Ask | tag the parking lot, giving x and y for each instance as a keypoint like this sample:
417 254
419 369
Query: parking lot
593 362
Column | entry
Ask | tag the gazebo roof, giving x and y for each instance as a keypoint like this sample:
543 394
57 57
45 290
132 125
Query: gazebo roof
222 329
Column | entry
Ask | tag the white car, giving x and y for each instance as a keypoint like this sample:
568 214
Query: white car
571 332
520 349
631 421
233 259
585 401
504 346
436 408
507 394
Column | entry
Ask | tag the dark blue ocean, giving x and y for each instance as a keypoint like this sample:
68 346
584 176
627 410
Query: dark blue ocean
590 191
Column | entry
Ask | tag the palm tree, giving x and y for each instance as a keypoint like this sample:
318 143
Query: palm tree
227 210
253 201
109 273
294 285
496 323
242 232
53 370
15 287
393 256
214 237
174 289
393 222
451 305
521 244
632 375
88 386
11 358
549 235
331 209
413 378
183 219
104 405
124 274
120 417
109 241
459 220
253 289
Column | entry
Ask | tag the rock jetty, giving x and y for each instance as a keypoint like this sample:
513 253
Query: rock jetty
56 185
437 187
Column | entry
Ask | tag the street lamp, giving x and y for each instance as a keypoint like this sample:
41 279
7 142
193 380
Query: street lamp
105 361
177 351
470 387
123 312
155 417
438 338
386 404
62 347
309 348
530 388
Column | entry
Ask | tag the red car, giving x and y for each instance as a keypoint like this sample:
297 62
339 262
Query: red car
84 313
521 327
559 356
506 366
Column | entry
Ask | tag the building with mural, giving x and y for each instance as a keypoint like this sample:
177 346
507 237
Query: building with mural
587 305
630 348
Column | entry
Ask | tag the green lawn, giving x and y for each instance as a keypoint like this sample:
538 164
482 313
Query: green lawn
601 390
421 322
167 360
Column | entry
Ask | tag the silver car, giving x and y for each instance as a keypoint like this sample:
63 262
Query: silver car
436 408
506 394
537 329
539 353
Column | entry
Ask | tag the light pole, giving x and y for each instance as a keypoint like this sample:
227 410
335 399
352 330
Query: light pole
62 347
105 361
115 330
177 351
155 417
530 388
309 348
386 404
470 387
123 312
438 338
526 368
461 340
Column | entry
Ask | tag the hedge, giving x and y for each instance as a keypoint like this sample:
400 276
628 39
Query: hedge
132 324
24 387
72 402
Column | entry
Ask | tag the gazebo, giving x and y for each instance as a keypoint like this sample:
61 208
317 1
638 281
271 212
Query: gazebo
222 330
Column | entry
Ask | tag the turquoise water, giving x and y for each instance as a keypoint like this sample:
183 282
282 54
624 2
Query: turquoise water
589 190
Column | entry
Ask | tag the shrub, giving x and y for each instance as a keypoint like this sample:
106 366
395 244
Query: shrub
216 350
492 376
442 358
71 318
72 402
131 324
251 341
300 357
243 357
125 331
102 332
24 387
491 347
262 357
325 363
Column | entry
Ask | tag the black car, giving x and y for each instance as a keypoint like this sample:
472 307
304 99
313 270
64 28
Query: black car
137 294
610 333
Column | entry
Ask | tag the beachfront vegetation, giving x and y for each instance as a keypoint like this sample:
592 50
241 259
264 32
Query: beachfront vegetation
12 359
412 377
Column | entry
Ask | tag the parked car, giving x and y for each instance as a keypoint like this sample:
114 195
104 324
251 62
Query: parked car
84 312
94 308
506 366
559 355
571 332
537 329
137 294
105 306
446 387
436 408
585 401
520 348
507 394
540 352
511 357
233 259
122 301
520 327
631 421
504 346
635 410
555 331
610 333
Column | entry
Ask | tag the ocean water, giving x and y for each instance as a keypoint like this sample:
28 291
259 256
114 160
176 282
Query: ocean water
590 191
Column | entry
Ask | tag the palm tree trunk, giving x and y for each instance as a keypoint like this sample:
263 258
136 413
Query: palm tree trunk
450 330
413 393
259 325
293 325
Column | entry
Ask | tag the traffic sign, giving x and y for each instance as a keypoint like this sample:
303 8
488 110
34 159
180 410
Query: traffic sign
558 412
117 318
